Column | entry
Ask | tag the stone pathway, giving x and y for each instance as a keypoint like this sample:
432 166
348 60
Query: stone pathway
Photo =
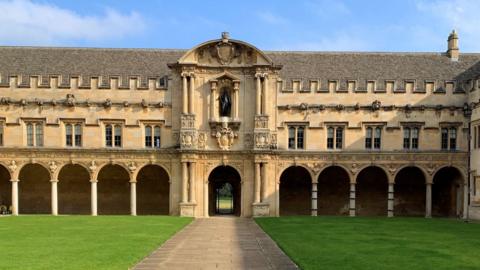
218 243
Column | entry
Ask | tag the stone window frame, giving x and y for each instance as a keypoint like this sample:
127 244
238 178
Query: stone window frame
373 126
449 126
113 124
335 127
73 123
476 136
411 126
296 126
152 125
36 141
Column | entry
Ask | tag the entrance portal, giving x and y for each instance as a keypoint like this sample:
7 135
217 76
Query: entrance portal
224 192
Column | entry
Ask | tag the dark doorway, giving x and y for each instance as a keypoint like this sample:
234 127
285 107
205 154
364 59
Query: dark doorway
372 192
224 192
153 191
333 191
295 192
113 191
447 193
74 190
409 192
34 190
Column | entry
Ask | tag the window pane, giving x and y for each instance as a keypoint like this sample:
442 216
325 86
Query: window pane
377 140
339 138
39 134
108 135
156 137
453 138
330 138
368 138
291 138
1 134
68 135
444 138
148 136
415 138
78 135
300 133
30 134
118 135
406 138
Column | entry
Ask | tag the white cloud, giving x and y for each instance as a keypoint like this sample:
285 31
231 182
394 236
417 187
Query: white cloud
462 15
28 22
271 18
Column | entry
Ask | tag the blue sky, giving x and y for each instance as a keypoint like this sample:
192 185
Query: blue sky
326 25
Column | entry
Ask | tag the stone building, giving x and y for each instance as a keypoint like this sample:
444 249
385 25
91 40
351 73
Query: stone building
148 131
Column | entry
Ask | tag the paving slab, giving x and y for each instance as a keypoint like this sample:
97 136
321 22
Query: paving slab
218 243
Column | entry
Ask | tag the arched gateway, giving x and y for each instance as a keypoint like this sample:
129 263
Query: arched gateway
224 192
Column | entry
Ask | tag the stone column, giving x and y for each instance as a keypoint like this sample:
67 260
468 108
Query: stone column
185 94
428 201
259 96
93 197
133 198
263 184
191 99
314 199
465 201
257 183
264 95
184 182
191 177
352 200
54 197
213 87
236 100
205 199
14 196
390 200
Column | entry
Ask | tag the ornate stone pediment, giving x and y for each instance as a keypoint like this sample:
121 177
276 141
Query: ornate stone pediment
225 51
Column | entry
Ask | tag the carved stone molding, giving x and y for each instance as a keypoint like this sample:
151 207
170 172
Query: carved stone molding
225 137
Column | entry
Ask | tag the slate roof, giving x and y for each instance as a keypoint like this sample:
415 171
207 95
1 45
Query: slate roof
301 65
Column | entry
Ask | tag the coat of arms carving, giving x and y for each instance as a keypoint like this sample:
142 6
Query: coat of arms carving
225 137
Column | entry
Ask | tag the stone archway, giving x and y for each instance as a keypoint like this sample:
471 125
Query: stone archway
34 190
153 191
372 192
113 190
333 191
447 192
218 180
410 189
5 189
295 192
74 190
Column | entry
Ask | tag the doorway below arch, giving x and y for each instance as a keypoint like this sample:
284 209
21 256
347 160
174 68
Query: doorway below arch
224 192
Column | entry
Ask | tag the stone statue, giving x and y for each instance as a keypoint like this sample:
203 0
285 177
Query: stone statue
225 103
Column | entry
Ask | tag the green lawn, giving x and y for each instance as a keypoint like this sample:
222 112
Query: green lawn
82 242
376 243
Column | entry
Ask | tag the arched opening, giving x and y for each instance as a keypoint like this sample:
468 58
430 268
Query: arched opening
34 190
333 190
5 191
153 190
224 191
372 192
447 193
410 191
295 192
113 191
74 190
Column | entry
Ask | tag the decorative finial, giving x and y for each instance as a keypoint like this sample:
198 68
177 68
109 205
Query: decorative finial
225 36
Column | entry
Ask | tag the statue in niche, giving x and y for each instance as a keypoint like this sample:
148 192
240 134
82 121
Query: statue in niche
225 103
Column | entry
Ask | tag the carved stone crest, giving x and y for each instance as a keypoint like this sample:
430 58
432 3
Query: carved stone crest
225 50
225 137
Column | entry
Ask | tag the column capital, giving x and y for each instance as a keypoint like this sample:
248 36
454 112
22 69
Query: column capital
94 181
54 180
14 180
261 75
133 181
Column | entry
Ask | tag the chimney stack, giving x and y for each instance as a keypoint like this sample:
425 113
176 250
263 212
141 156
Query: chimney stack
453 52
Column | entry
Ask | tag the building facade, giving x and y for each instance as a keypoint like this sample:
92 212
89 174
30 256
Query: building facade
147 131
